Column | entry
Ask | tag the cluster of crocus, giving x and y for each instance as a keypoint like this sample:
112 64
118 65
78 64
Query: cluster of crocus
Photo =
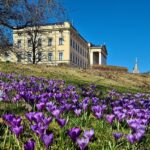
98 110
138 128
39 124
14 123
54 100
74 134
134 110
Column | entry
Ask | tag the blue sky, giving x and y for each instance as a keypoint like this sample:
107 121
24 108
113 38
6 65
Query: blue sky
123 25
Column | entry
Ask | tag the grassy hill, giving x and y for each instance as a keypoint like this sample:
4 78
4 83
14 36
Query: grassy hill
123 82
36 108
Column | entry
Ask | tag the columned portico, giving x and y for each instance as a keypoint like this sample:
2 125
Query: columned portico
98 55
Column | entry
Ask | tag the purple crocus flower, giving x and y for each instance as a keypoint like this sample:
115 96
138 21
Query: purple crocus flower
131 138
56 113
47 121
50 106
29 116
96 108
98 114
134 126
95 100
110 118
74 100
88 134
61 122
74 133
77 112
139 134
83 142
17 130
47 140
16 98
68 106
38 129
16 121
8 118
97 111
29 145
84 106
38 116
44 100
117 135
40 106
120 116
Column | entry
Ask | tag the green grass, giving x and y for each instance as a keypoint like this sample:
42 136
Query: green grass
105 81
122 82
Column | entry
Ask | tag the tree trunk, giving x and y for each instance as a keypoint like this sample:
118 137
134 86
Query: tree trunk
34 57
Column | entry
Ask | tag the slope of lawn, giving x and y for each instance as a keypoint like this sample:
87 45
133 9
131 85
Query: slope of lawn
46 114
123 82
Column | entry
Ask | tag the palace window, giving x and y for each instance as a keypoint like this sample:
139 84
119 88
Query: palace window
60 56
6 54
29 57
50 41
39 42
76 46
81 51
29 43
19 43
18 57
81 63
61 41
71 43
19 33
39 56
50 56
76 60
71 57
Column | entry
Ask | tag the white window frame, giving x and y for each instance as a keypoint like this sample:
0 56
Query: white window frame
29 43
29 57
39 56
61 41
60 56
19 43
50 41
50 56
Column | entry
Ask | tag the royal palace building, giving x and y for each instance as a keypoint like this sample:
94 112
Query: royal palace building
58 43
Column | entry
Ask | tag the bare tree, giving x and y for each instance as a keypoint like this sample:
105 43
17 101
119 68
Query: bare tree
30 15
34 34
5 41
18 14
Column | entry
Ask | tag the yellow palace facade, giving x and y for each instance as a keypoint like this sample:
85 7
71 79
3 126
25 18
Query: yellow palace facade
59 43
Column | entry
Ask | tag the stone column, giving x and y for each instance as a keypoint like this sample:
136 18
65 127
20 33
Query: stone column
91 58
100 59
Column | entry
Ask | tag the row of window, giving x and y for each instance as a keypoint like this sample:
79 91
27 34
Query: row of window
50 31
39 42
78 48
50 56
76 60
